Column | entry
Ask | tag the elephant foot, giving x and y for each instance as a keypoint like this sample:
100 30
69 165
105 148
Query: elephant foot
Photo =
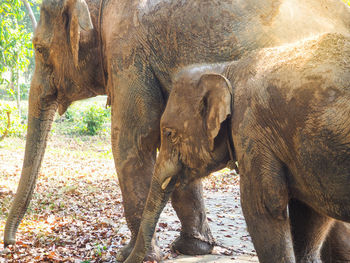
155 254
125 251
8 242
190 245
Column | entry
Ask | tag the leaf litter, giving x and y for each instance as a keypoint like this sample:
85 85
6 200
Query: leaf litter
76 214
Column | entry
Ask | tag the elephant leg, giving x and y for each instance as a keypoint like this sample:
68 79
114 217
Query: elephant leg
134 166
195 237
264 199
136 112
309 230
336 248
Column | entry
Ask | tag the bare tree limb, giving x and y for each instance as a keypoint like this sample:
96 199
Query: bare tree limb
30 12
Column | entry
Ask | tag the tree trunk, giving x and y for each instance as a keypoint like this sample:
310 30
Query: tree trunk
31 14
18 97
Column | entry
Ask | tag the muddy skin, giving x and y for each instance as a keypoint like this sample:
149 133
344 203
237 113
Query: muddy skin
288 107
311 158
336 247
143 44
197 244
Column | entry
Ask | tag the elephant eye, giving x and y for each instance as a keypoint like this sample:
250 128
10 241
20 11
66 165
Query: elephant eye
40 50
43 51
171 135
167 133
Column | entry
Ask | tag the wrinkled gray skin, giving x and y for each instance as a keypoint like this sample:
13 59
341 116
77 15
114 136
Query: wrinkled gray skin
287 110
143 44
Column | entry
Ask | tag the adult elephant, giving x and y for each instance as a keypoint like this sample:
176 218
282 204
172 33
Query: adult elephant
129 49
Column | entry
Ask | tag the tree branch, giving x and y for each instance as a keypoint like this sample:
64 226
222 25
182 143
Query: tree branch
30 12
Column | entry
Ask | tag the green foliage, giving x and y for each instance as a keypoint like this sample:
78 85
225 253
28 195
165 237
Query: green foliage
347 2
24 91
15 38
17 128
16 52
84 120
10 94
93 119
69 115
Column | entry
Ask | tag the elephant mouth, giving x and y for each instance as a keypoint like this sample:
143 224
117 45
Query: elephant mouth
166 182
170 183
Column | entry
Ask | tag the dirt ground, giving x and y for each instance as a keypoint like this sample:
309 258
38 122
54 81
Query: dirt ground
213 259
226 223
76 214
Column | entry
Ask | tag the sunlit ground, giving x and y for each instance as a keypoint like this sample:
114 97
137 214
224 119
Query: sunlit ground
76 212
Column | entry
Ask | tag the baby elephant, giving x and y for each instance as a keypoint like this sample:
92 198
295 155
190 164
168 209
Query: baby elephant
284 114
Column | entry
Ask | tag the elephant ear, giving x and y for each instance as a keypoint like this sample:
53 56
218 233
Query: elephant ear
79 19
215 104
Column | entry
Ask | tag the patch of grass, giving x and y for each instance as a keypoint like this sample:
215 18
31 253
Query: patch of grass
83 118
18 126
89 117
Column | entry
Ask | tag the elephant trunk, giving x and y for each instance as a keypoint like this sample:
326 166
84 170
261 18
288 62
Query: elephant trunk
40 116
163 184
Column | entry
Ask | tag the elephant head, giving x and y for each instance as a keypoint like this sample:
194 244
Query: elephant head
193 143
65 71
